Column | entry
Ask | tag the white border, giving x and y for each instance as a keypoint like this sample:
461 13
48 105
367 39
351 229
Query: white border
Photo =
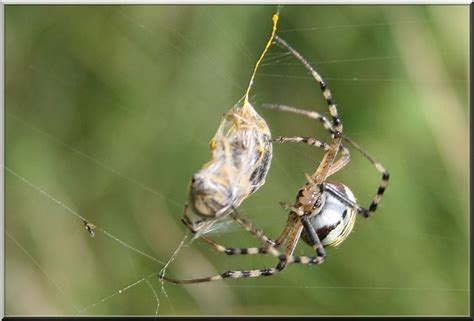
245 2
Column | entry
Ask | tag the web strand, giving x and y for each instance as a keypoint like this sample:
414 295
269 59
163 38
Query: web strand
35 262
82 218
122 290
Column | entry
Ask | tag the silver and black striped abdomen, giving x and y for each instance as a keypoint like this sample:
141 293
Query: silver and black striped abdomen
335 220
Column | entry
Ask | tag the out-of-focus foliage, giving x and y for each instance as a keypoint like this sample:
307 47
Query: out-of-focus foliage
109 110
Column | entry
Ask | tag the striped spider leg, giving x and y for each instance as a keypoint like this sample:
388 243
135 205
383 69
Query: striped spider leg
344 161
324 212
297 221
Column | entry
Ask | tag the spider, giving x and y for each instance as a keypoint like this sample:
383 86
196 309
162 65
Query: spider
242 153
324 212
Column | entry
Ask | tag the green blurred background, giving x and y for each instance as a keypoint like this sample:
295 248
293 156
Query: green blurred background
109 110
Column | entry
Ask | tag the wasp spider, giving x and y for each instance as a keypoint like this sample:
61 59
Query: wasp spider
324 212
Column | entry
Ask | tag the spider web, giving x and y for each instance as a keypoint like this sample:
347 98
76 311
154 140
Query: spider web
89 139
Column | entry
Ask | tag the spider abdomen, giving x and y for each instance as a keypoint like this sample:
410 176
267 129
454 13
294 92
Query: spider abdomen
335 220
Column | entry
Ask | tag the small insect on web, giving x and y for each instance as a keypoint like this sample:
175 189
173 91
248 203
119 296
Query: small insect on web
90 228
324 212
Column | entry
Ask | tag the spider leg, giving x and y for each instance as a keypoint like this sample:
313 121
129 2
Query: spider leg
385 175
303 139
289 232
294 229
288 258
233 251
293 235
341 162
247 250
314 238
248 227
334 192
283 259
375 201
237 251
225 275
273 245
285 205
383 183
323 170
336 166
311 114
336 122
